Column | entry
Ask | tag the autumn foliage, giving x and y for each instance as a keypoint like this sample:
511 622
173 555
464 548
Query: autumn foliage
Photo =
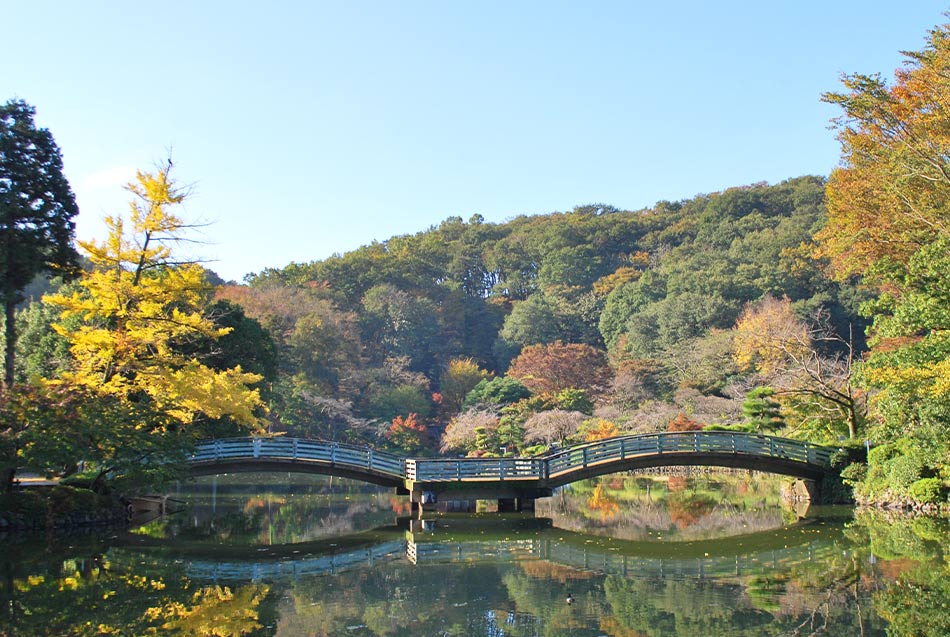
557 366
767 334
599 430
130 316
683 423
407 433
601 503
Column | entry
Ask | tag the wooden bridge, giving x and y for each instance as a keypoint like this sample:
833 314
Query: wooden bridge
514 482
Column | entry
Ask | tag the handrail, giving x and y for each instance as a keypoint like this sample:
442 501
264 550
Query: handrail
537 469
302 450
708 442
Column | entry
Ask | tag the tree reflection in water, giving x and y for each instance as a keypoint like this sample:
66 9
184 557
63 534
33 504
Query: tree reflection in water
871 575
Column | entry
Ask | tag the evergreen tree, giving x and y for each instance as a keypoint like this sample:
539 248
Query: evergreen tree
37 208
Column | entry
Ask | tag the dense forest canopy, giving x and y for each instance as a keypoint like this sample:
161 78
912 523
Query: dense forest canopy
385 331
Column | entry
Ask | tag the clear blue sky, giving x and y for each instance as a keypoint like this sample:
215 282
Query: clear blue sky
311 128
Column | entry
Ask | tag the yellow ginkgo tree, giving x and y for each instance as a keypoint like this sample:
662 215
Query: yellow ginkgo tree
139 313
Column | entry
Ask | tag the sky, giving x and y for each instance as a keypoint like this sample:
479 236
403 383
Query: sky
312 128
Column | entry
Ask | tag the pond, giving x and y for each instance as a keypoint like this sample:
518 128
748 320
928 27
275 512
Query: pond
622 555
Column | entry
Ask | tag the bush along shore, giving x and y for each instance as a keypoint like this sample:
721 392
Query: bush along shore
59 508
906 504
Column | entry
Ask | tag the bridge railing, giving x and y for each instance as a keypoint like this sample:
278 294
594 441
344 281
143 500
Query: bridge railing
299 449
727 442
504 469
474 469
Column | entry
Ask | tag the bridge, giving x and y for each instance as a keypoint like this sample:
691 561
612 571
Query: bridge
514 482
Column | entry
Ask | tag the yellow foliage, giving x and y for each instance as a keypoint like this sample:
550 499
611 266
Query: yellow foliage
30 582
932 379
600 430
132 313
607 284
767 335
216 611
601 502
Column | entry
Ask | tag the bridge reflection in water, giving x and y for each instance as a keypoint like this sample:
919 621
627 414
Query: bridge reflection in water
514 482
764 552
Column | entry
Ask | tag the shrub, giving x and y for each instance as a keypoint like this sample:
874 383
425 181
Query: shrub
927 490
903 471
854 473
881 454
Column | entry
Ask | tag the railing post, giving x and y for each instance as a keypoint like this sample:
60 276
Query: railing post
584 455
458 470
217 449
369 458
295 448
771 446
333 452
257 447
623 448
501 469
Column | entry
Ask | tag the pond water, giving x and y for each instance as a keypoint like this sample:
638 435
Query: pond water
623 555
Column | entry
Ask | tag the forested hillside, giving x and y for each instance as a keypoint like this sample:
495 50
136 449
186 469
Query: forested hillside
643 303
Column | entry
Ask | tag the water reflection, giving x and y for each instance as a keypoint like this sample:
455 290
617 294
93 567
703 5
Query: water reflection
487 575
290 508
689 505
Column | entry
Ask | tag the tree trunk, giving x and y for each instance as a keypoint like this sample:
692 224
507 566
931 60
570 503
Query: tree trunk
9 354
6 477
98 484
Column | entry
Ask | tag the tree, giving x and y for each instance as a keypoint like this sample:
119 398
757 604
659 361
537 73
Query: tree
683 423
809 366
246 344
890 196
398 323
41 352
888 223
460 377
496 392
462 433
767 334
552 426
407 433
558 366
37 208
387 402
47 426
138 309
761 412
598 429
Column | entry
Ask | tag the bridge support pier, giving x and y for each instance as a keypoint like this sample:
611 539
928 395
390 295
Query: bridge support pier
801 490
511 505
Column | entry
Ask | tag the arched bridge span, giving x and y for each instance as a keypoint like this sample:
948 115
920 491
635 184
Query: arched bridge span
515 477
297 455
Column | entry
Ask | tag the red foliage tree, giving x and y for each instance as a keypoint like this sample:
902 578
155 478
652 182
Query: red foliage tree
683 423
557 366
407 433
